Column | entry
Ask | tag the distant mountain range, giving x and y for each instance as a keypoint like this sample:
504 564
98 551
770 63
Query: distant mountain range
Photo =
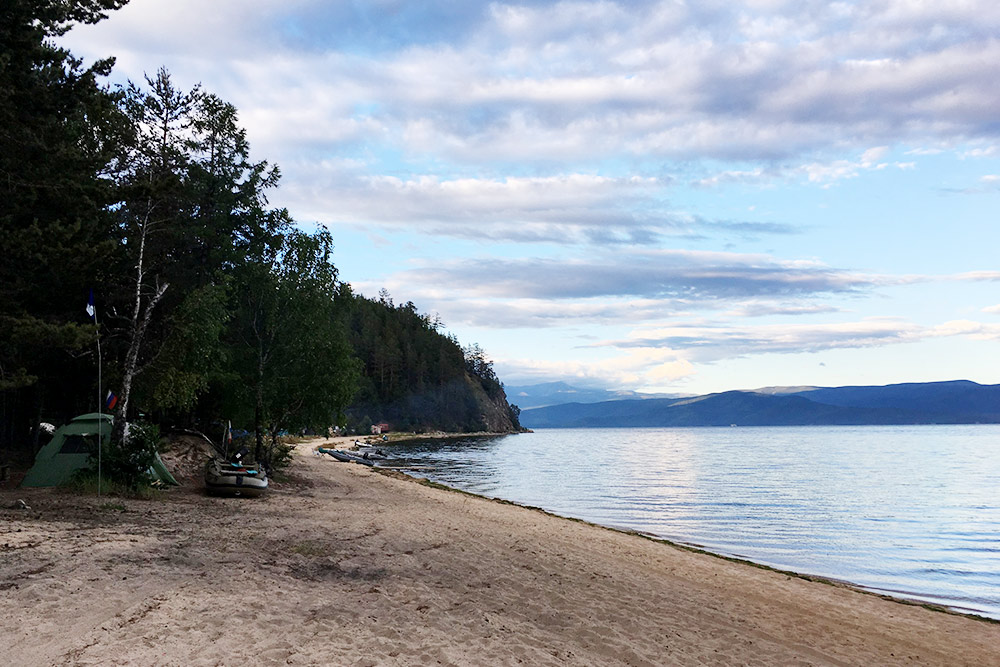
956 402
557 393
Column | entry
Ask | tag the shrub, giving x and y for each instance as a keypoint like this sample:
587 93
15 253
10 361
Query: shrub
125 465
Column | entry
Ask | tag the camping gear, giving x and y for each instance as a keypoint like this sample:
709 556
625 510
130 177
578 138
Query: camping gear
70 448
237 479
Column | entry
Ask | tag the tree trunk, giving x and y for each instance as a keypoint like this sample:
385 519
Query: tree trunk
37 426
258 410
140 321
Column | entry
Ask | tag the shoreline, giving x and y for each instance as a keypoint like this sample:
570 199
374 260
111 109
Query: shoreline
345 565
953 595
396 437
900 597
914 598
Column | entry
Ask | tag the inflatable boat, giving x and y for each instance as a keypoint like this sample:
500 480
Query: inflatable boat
234 479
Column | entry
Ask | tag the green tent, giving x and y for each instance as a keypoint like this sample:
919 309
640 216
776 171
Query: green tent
69 451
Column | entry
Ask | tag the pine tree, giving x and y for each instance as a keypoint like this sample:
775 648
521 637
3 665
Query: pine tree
60 135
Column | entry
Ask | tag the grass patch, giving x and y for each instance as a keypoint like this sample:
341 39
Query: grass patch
112 507
311 549
85 484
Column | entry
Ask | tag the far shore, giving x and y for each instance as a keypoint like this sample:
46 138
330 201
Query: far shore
341 565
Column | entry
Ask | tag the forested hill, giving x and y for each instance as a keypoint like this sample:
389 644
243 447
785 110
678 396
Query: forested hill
135 229
413 377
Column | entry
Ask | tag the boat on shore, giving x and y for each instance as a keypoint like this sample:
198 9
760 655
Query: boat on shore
235 479
349 457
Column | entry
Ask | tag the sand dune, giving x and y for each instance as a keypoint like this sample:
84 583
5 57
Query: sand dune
342 565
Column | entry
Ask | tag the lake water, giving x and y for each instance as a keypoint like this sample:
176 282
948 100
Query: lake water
912 511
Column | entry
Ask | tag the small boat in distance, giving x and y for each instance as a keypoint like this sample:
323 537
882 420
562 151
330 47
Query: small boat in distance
236 479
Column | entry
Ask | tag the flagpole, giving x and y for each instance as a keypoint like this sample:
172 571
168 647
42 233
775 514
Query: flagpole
92 310
100 417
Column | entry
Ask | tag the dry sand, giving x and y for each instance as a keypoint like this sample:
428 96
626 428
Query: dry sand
342 565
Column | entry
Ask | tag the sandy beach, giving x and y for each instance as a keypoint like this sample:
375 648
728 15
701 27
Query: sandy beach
342 565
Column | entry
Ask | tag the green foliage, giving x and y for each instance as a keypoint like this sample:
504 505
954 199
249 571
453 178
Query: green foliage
211 302
414 377
35 337
290 354
55 17
84 482
279 455
310 548
127 463
60 133
401 351
192 353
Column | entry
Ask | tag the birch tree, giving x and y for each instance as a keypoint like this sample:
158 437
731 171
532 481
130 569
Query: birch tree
152 214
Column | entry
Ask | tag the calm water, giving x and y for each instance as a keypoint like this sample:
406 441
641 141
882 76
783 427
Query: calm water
913 511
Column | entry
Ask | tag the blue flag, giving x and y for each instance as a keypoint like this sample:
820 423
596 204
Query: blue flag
90 305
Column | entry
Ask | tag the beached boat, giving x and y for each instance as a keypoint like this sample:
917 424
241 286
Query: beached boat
236 479
335 453
346 457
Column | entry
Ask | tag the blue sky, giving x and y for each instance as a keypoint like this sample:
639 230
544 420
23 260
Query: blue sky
663 196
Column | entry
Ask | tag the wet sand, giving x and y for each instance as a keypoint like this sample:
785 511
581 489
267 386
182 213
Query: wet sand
342 565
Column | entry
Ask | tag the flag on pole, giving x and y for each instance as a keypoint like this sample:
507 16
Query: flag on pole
90 305
111 401
229 432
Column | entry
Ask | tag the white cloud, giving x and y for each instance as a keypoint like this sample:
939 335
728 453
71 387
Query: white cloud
691 276
988 151
576 80
566 208
823 174
759 308
543 208
638 286
659 355
975 276
712 342
634 368
569 123
987 184
968 328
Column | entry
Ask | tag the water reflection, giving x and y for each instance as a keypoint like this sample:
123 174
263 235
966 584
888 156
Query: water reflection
909 510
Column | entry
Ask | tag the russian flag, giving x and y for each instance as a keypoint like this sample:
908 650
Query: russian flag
111 401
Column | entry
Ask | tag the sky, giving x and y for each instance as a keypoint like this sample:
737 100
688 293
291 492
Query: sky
680 197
